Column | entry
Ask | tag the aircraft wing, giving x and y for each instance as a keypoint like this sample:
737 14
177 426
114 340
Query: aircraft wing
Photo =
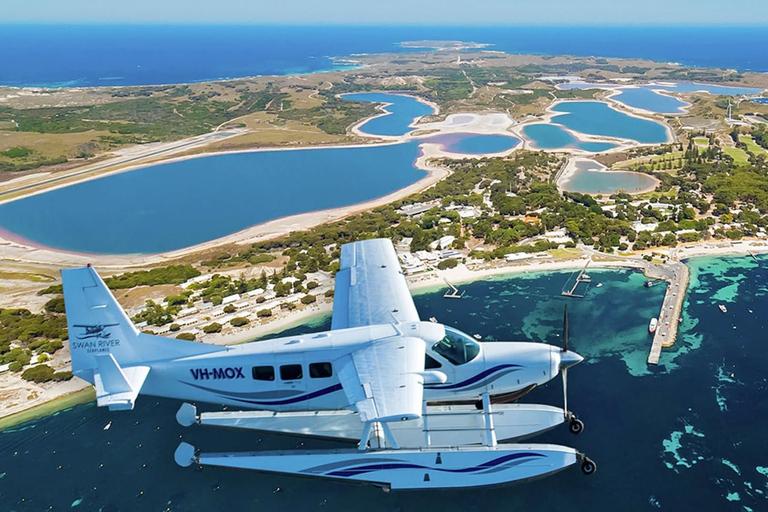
370 287
383 381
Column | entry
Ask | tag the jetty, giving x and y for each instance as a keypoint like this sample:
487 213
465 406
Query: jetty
671 306
453 292
581 278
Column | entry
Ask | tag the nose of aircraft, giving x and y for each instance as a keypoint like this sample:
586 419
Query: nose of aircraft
569 358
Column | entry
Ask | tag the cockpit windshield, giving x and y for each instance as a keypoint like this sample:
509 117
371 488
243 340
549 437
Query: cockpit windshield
457 347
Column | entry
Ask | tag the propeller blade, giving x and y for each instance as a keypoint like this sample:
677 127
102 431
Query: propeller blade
565 328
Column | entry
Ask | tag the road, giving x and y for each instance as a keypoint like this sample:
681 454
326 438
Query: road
133 157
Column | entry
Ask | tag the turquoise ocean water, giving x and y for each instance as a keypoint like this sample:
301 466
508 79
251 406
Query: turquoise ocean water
688 434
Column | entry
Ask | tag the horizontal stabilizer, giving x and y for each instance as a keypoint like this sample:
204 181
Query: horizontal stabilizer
117 388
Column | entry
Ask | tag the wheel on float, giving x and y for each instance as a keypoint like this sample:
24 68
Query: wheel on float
588 467
576 426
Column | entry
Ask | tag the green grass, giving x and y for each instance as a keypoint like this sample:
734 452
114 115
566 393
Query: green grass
35 278
739 156
701 141
751 146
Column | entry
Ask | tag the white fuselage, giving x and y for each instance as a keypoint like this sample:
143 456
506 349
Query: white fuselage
297 373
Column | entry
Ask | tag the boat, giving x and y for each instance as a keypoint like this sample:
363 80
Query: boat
652 325
599 285
649 283
723 308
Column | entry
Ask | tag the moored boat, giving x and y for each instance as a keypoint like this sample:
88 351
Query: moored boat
652 325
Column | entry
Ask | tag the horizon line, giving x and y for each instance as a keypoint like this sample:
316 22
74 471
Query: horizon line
378 25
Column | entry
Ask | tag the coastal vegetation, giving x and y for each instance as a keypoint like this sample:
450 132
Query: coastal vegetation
24 334
171 274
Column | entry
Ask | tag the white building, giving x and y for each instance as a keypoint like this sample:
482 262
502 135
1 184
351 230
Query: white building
443 243
639 226
229 299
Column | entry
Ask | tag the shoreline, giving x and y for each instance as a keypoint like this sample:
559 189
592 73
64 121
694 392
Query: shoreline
16 248
420 284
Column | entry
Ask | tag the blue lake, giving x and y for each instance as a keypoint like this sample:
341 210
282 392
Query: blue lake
687 435
646 97
650 100
402 112
470 144
591 179
175 205
597 118
553 136
171 206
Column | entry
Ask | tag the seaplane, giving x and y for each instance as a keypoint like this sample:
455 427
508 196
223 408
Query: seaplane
428 406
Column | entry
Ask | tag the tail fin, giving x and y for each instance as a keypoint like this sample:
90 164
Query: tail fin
107 349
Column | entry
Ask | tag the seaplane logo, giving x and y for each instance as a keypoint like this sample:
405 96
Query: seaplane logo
94 331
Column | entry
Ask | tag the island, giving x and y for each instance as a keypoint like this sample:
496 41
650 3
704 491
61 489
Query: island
517 174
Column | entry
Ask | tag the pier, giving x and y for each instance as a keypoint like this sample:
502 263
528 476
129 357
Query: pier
671 306
581 278
453 292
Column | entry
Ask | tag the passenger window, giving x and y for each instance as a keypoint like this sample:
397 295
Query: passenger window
291 372
430 363
263 373
320 370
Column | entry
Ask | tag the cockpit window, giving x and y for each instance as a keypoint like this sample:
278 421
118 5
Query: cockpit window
457 347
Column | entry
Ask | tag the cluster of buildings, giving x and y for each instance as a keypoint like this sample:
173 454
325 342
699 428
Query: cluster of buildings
246 305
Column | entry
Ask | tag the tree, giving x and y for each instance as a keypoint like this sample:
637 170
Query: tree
55 305
38 373
264 313
669 239
187 336
263 280
239 321
229 308
448 263
308 299
175 327
212 328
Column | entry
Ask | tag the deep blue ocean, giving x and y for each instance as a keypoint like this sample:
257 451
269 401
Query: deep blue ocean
687 435
94 55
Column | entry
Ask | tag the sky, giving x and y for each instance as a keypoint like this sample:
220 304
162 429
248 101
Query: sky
390 12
